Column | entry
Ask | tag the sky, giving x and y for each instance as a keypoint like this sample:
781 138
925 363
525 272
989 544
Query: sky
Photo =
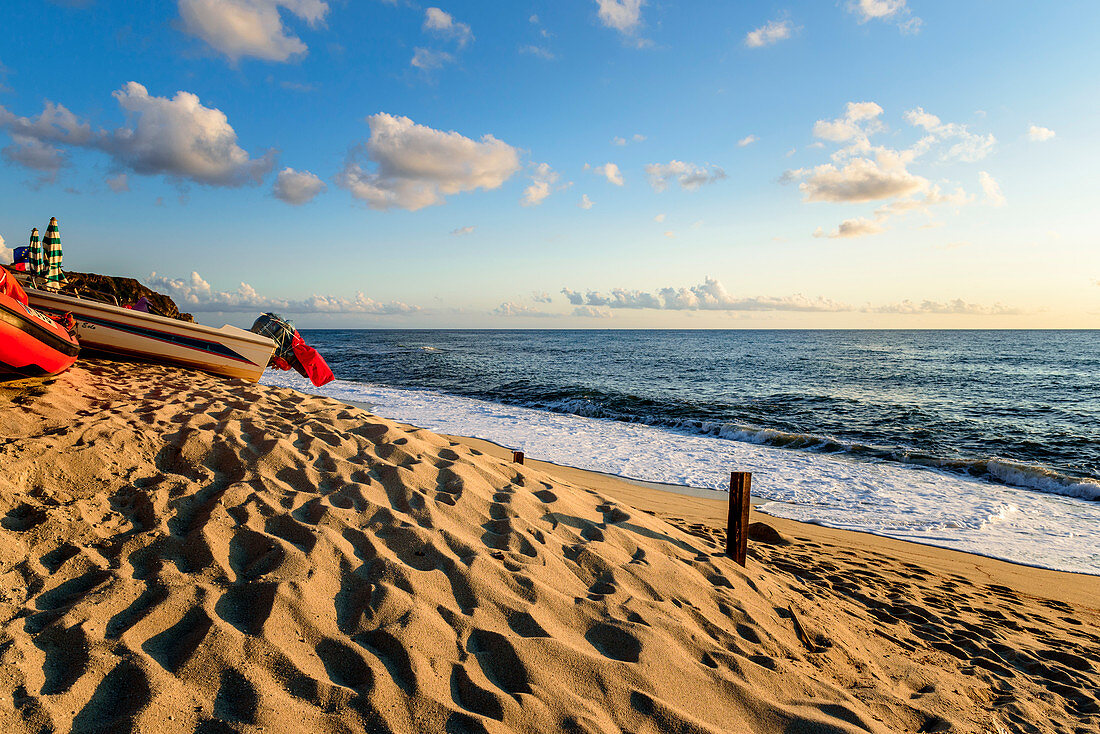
566 163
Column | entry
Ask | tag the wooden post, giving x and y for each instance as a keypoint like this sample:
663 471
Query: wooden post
737 527
517 457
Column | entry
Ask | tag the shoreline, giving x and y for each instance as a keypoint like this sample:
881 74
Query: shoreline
711 510
1068 586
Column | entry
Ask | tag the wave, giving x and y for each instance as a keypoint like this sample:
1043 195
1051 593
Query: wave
993 469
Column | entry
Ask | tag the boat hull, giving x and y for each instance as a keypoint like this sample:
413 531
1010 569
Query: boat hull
32 345
227 351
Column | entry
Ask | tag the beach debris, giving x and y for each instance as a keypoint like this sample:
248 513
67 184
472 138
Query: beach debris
517 457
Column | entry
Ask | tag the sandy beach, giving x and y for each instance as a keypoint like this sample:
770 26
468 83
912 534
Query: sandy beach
180 552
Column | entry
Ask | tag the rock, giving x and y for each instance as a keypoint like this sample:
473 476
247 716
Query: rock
763 533
126 291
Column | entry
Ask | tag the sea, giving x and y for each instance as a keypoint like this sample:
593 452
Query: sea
981 441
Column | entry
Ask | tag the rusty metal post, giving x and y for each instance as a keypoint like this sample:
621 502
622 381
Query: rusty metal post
517 457
737 527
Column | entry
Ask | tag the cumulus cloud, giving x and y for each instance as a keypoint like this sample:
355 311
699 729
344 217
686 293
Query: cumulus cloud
177 137
857 227
1038 134
771 32
710 295
611 172
955 306
462 231
541 297
586 203
196 294
239 28
417 166
861 172
7 254
426 60
747 140
542 179
297 187
689 175
512 309
965 145
991 189
592 312
625 16
888 10
860 179
443 24
181 138
635 138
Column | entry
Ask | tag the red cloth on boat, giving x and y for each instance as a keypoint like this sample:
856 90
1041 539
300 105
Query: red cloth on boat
316 369
280 363
9 287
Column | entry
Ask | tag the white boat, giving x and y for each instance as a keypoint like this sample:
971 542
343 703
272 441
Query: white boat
105 327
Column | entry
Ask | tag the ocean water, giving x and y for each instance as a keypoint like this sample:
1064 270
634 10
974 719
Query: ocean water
984 441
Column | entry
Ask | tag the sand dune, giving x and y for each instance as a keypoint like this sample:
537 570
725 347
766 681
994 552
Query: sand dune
184 553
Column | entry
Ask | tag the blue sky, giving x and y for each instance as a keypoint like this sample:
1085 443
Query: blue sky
581 163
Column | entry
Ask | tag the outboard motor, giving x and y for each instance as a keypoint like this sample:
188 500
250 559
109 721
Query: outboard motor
291 350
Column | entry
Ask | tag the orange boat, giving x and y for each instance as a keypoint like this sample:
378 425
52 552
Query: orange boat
31 343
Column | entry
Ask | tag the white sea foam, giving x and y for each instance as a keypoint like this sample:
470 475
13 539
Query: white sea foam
900 501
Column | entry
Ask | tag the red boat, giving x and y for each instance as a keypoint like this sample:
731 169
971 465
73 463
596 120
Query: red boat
31 343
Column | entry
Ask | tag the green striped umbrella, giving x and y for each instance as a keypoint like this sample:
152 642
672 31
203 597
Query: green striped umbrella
36 259
51 244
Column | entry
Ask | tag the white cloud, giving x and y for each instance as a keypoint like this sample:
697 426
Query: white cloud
7 254
512 309
239 28
443 24
893 10
538 52
861 179
119 183
592 312
771 32
417 166
689 175
1038 134
624 16
659 218
462 231
670 233
966 146
586 203
427 60
177 137
195 294
991 189
707 296
541 297
860 120
611 172
635 138
181 138
747 140
542 180
858 227
955 306
297 187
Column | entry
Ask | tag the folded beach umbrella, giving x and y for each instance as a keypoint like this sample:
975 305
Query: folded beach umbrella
36 258
51 245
